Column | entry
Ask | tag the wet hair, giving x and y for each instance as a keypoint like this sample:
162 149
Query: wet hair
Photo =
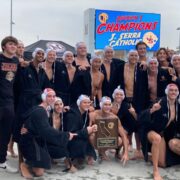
8 39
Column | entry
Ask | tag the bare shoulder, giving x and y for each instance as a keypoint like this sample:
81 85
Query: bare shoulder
93 114
97 112
113 115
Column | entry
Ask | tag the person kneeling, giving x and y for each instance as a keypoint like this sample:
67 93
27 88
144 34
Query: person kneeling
105 113
160 126
56 121
76 120
37 132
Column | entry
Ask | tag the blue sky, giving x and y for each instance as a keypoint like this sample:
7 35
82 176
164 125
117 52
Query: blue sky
63 19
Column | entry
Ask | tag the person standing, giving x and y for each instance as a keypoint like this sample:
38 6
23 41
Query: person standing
97 78
141 48
81 59
8 68
28 86
49 65
108 68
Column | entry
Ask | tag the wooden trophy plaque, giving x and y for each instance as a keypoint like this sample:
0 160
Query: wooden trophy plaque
107 134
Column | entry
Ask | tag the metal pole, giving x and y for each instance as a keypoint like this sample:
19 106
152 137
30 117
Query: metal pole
179 38
11 23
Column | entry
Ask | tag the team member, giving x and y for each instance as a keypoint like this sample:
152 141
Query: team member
8 68
97 78
37 132
108 68
105 112
160 126
77 121
56 121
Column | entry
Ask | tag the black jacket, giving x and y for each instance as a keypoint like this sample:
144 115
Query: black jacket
8 68
128 121
69 92
157 122
109 86
28 87
33 145
76 122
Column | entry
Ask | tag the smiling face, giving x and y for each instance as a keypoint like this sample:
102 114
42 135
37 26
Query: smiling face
96 63
176 62
133 57
58 107
50 98
106 107
153 66
173 92
85 104
10 48
142 50
108 54
162 55
119 96
82 49
39 56
51 56
69 58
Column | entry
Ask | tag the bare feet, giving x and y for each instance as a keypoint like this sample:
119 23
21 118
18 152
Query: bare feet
72 169
11 153
137 155
70 166
130 148
90 160
25 171
157 176
103 156
113 151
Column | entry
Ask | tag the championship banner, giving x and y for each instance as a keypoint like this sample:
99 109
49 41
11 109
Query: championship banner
123 30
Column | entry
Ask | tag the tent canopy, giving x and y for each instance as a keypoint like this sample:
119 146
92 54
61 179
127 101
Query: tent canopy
59 46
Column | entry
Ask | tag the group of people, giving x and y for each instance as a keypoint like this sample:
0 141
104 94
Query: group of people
50 107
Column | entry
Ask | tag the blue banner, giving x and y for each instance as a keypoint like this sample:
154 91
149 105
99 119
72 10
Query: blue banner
123 30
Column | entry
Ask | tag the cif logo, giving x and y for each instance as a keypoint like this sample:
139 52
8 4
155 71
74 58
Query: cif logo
56 46
103 17
150 39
